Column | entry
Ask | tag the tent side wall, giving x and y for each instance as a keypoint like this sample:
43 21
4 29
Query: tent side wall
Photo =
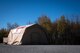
35 35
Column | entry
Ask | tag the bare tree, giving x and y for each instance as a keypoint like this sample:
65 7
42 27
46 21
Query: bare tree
11 26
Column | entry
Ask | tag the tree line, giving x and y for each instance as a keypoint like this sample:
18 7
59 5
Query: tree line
63 31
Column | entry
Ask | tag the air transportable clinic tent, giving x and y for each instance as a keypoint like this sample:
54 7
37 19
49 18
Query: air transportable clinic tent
32 34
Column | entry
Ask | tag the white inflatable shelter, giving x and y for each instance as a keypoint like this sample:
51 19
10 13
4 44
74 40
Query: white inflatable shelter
15 35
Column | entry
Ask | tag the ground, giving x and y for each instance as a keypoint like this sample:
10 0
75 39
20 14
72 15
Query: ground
40 49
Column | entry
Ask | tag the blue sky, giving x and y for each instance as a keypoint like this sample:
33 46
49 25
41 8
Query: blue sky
25 11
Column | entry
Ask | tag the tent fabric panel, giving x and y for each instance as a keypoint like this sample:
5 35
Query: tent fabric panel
14 38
